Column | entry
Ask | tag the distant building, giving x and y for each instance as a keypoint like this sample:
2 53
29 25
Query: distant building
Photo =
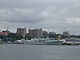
21 31
66 34
36 33
4 33
52 34
45 34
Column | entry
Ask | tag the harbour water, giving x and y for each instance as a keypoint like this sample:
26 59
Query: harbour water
39 52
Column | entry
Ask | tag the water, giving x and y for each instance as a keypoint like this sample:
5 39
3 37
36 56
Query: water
39 52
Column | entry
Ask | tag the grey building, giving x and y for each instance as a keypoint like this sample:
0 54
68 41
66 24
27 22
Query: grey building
21 31
36 33
66 33
45 34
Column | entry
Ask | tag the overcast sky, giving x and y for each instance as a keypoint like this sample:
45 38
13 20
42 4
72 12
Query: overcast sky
50 15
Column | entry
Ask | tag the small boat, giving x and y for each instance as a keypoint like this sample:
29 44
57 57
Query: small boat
72 41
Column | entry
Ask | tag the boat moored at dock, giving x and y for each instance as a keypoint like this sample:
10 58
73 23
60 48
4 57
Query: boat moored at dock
42 41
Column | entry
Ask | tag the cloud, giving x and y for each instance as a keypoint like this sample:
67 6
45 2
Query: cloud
20 15
48 14
73 20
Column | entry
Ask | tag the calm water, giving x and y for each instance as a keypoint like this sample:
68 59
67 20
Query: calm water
39 52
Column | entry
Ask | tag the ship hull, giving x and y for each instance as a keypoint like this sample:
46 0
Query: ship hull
45 43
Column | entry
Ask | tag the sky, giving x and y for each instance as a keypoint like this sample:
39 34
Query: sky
50 15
